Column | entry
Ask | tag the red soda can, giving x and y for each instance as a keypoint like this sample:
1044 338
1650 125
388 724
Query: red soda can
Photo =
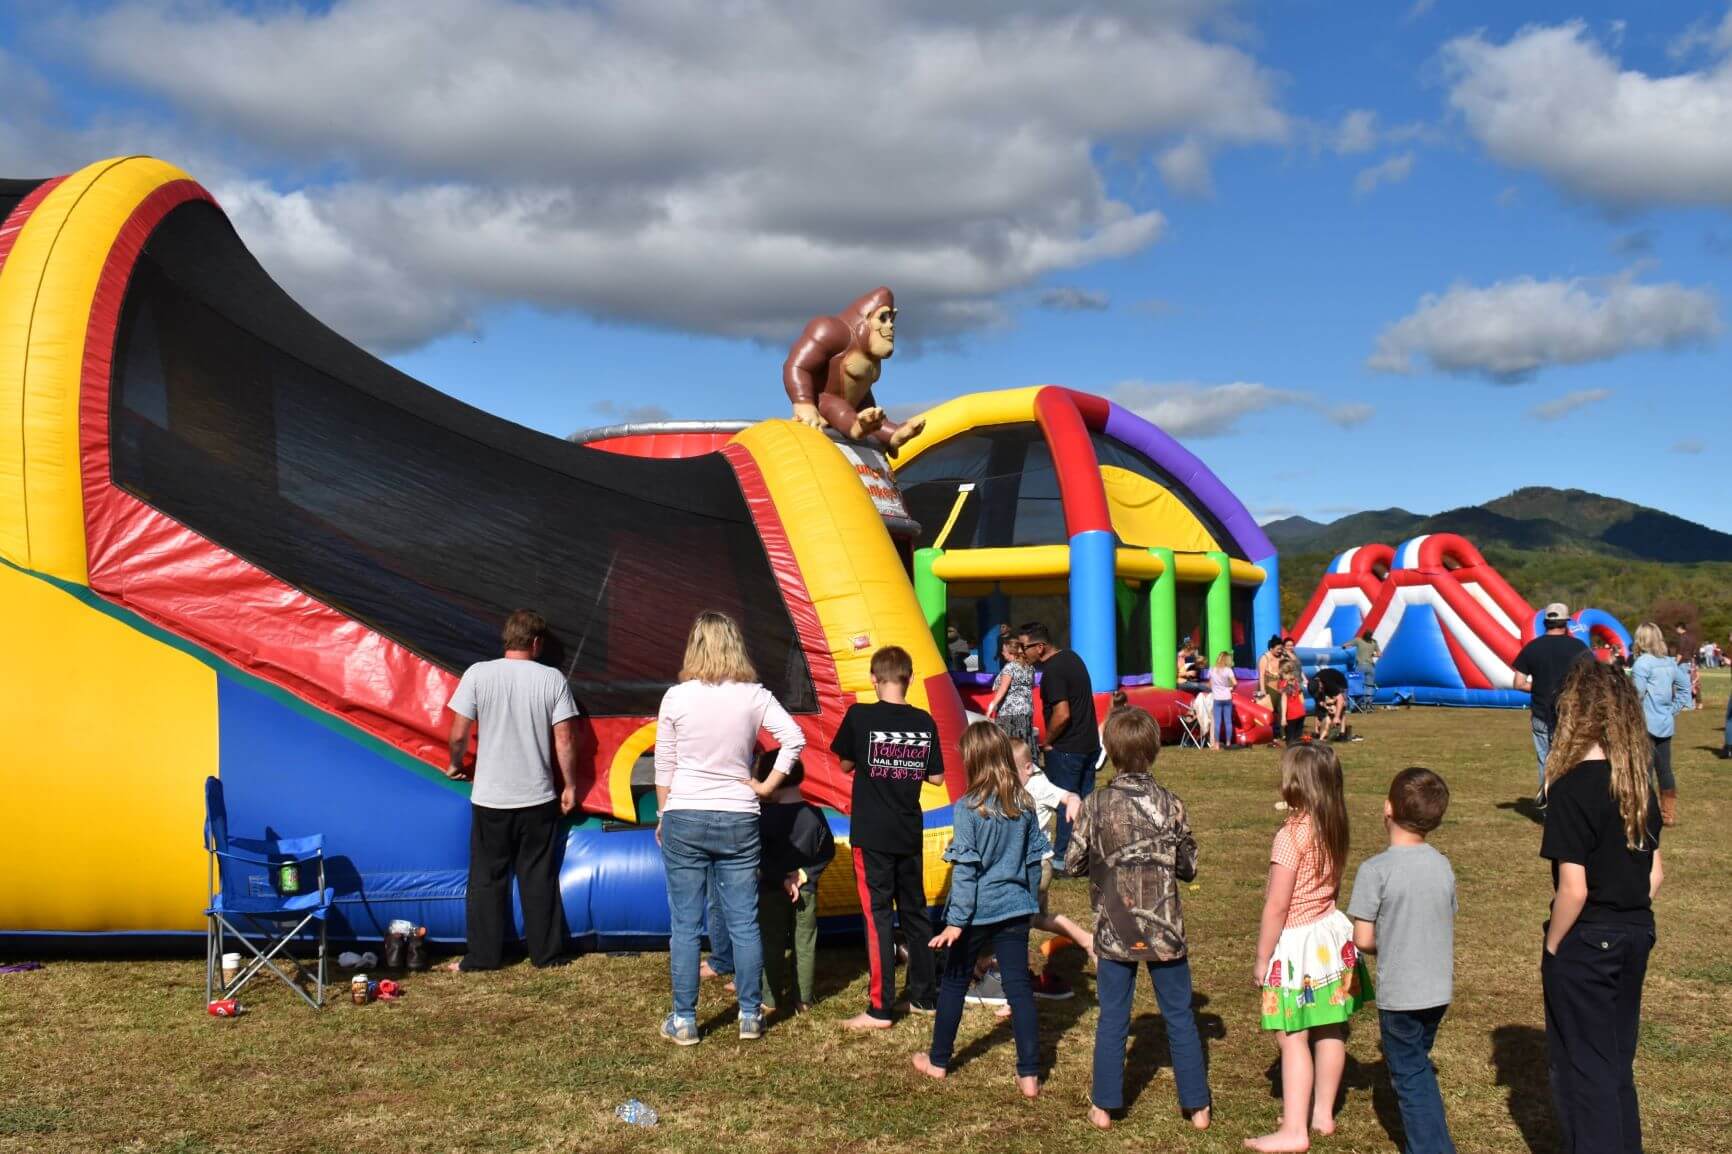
225 1008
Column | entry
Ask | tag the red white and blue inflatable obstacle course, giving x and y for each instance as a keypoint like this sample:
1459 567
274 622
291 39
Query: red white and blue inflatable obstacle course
1448 624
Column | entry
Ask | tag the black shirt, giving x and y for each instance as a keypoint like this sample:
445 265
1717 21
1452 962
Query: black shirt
1583 826
1064 677
1327 683
894 748
1546 659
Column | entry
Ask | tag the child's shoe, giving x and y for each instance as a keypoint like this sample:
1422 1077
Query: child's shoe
680 1031
751 1027
988 990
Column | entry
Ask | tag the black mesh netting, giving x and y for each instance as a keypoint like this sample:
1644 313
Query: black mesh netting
13 191
241 416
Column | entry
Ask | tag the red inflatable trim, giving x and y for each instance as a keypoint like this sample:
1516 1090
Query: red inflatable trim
663 446
15 219
1073 459
160 569
824 782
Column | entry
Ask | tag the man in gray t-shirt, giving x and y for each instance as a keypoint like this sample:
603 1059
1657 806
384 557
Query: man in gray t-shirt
525 777
1403 910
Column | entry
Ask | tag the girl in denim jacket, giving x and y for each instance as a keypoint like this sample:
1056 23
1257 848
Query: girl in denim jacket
995 854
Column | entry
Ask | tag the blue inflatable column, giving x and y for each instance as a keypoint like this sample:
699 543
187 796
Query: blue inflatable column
1094 625
990 612
1266 603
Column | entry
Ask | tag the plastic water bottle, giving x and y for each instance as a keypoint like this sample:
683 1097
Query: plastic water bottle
636 1113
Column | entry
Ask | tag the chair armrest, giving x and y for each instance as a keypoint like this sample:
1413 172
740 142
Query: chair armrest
283 848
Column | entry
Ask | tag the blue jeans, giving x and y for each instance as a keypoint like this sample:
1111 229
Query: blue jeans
721 946
1074 772
1542 747
1115 988
1407 1039
1223 723
695 841
1009 943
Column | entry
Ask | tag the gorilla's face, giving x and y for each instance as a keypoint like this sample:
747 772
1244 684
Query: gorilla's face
881 332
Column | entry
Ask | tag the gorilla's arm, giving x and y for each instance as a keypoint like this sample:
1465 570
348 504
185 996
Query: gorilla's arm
808 363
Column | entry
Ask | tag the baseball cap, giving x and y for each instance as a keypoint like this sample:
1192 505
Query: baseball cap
1557 611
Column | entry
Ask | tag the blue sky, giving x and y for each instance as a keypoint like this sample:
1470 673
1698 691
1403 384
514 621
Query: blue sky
1355 255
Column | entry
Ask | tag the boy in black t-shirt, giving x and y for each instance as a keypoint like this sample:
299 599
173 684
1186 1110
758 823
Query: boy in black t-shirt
892 749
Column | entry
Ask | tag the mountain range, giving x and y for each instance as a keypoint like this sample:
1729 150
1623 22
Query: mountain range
1532 519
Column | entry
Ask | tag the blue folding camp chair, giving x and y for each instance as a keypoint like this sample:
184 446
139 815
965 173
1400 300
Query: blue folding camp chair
263 888
1361 692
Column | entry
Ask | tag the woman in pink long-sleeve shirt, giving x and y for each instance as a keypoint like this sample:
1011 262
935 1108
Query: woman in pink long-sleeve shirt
707 802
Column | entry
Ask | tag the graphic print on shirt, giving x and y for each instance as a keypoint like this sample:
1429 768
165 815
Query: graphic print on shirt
898 755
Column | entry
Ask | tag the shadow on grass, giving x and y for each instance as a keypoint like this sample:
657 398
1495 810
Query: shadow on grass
1527 807
1149 1051
1518 1053
1372 1076
1718 751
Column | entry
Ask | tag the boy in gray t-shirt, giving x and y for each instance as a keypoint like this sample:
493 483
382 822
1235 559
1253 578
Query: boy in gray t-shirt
1403 910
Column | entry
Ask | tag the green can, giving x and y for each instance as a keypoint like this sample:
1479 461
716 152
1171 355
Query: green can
289 878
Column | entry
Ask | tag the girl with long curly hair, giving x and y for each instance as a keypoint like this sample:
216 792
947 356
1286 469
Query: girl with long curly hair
1603 839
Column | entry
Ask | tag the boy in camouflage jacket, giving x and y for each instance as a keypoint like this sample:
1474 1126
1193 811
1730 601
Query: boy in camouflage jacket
1132 841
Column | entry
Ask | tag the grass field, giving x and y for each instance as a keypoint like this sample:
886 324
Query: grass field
121 1056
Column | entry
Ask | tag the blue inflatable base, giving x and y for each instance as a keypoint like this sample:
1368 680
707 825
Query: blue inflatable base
1439 695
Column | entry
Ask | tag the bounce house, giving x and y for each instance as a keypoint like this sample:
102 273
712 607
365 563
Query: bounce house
234 544
1448 625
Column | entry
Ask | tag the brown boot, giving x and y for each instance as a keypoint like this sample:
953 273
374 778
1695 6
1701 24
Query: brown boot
1668 807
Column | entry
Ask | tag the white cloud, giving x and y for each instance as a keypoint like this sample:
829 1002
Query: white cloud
1357 133
1703 35
1185 168
1511 329
1560 407
1069 299
1392 171
1554 100
656 163
1690 446
1189 409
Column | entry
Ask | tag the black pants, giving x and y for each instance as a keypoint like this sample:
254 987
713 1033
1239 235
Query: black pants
884 878
524 842
1593 992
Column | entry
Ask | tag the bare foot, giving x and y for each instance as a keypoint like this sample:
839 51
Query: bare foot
1280 1142
1100 1118
704 971
925 1066
865 1021
1324 1125
1001 1012
1200 1118
730 987
455 967
1030 1086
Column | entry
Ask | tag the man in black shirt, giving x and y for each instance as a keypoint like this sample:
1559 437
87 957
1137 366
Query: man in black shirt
1539 670
1072 743
1328 690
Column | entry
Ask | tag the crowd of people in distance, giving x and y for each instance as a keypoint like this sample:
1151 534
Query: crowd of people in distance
740 841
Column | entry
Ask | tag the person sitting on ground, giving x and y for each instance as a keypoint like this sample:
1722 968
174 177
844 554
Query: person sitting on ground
1135 846
1328 689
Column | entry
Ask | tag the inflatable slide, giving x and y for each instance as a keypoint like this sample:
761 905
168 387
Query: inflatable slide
233 544
1448 624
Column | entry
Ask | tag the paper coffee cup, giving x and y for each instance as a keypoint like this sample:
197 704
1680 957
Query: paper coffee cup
231 967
